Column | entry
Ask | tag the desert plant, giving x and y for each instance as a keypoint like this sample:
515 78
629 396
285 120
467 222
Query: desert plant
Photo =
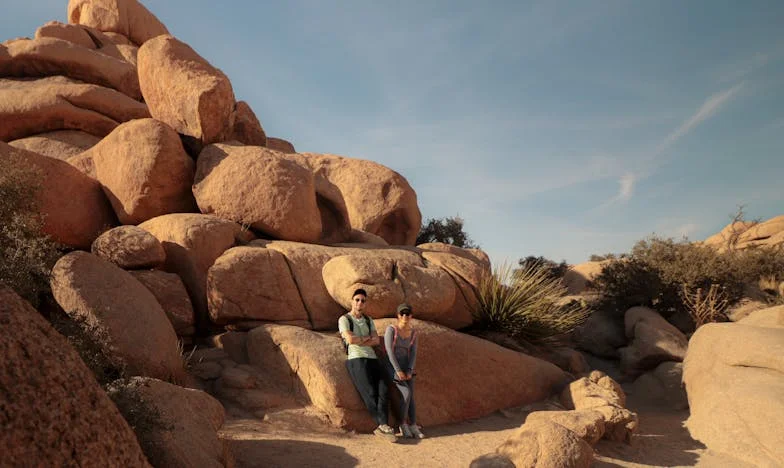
447 230
26 255
705 306
527 304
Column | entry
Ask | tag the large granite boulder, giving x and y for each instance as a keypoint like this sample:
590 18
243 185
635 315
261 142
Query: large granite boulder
578 277
247 129
111 300
83 36
170 292
54 413
126 17
130 248
29 107
255 186
48 56
184 90
144 171
542 444
75 210
734 377
498 377
59 144
652 340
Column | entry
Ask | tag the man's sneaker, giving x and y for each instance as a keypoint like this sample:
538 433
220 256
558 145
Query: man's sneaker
416 432
386 433
405 430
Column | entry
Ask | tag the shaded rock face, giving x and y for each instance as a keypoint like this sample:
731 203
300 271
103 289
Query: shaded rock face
578 278
663 386
311 285
107 297
144 171
190 420
172 296
652 340
184 90
247 128
500 377
128 18
279 144
61 144
55 413
602 334
29 107
734 377
254 186
75 209
129 247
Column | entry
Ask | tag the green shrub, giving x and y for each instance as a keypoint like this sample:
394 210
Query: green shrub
26 255
553 269
527 304
447 230
658 271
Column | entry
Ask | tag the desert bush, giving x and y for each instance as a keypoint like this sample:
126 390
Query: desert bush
26 255
552 268
527 304
705 306
447 230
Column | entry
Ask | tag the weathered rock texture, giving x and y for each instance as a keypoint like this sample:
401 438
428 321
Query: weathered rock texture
129 247
112 300
126 17
53 412
652 340
734 377
499 377
746 234
170 292
247 128
75 209
184 90
144 171
60 144
546 444
29 107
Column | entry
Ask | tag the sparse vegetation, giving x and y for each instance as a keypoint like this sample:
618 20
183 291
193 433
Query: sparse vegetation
553 269
27 255
527 304
706 306
446 230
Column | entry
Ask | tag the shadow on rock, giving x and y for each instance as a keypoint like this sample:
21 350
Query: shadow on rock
272 453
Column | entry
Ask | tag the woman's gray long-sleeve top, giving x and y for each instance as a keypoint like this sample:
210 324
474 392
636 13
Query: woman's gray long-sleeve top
403 356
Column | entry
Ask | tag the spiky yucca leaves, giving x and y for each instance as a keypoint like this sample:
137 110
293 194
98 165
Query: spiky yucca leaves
527 304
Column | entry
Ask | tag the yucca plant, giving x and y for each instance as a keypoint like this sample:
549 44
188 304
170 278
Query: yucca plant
527 304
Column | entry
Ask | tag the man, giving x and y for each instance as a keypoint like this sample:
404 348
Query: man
359 332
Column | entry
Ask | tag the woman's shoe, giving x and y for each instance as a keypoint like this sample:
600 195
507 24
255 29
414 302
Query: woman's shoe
415 432
405 429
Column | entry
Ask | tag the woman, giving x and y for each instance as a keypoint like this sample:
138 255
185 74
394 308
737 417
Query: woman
401 345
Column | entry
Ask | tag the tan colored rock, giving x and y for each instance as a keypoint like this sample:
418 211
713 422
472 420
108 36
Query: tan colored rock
192 243
184 90
247 128
607 383
61 144
126 17
477 256
729 235
545 444
118 38
734 377
768 317
252 185
356 236
29 107
75 210
345 274
55 413
144 170
190 421
652 340
586 424
578 277
84 163
234 344
83 36
129 247
279 144
500 378
254 283
48 56
467 274
620 424
377 199
662 387
584 394
761 232
170 292
102 294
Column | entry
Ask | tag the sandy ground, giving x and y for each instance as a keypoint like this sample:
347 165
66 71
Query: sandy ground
296 437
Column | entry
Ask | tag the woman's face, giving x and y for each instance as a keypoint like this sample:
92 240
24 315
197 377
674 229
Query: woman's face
404 317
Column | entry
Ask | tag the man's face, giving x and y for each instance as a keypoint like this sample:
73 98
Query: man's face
358 303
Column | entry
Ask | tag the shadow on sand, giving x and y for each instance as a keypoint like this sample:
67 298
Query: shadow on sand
267 453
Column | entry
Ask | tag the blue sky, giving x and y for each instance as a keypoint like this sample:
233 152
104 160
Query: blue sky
555 128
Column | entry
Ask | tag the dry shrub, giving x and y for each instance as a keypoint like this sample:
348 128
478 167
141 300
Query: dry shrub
706 307
26 255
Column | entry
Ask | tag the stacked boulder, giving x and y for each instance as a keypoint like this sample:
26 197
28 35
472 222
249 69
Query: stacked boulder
594 409
741 235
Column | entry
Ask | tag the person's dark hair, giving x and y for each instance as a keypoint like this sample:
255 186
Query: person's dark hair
359 291
403 307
